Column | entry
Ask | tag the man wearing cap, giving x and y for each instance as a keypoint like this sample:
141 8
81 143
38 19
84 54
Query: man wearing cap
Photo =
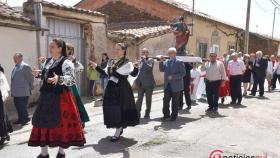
236 68
215 77
174 72
145 82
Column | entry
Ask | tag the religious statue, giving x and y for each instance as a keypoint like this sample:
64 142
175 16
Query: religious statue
182 34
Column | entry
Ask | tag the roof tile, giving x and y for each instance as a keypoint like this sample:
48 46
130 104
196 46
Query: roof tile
141 33
11 13
70 8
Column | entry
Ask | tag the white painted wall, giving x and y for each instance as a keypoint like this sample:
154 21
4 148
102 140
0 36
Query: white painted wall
14 40
158 46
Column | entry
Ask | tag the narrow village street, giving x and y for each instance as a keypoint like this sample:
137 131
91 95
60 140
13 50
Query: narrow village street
251 129
68 64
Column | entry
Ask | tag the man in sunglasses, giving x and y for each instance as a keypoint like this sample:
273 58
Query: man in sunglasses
215 77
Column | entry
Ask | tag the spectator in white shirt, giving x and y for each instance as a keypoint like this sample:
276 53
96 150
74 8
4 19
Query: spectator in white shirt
236 68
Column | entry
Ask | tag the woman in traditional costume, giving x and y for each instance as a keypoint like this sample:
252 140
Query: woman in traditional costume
78 69
5 124
119 107
56 121
225 90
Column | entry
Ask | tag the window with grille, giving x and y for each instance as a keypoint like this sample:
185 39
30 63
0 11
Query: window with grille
203 50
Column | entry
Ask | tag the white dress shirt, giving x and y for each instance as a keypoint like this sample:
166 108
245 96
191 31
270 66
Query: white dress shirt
236 67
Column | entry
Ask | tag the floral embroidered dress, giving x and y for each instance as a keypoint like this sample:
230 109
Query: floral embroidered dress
56 121
79 68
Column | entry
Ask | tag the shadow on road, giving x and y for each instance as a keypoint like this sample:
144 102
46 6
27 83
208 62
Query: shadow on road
105 147
185 111
144 121
213 115
168 125
257 97
225 106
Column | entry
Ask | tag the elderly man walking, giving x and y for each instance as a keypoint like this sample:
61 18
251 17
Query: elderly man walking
174 72
21 87
215 77
236 69
145 82
259 73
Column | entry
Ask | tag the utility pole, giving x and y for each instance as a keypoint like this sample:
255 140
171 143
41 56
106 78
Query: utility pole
247 32
273 23
193 14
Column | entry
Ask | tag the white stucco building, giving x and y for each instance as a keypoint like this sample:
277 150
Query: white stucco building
29 32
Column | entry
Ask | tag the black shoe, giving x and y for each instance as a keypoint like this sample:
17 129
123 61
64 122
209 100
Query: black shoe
239 103
114 138
121 132
40 156
215 111
2 140
209 110
261 95
223 100
173 119
189 108
23 123
7 137
165 118
233 103
59 155
147 116
252 94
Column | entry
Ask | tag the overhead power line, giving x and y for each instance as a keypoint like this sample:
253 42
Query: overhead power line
276 2
262 8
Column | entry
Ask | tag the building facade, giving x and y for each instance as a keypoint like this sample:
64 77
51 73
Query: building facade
209 33
29 32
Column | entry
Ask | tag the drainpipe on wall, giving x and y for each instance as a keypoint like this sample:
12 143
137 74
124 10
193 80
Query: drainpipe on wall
278 53
37 7
237 41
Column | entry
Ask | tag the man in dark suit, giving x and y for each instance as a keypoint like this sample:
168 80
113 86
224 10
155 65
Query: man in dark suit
174 72
259 73
21 87
145 82
186 91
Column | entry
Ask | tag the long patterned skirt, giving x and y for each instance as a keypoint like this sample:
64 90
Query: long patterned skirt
67 133
5 125
82 111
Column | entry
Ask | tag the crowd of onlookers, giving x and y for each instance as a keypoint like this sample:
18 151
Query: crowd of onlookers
213 79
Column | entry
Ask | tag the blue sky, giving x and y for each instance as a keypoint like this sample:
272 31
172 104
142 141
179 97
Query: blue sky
232 11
